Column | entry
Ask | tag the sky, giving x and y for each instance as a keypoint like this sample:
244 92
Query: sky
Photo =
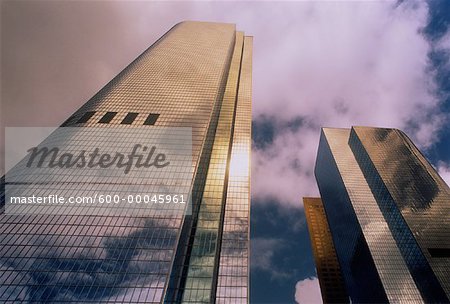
315 64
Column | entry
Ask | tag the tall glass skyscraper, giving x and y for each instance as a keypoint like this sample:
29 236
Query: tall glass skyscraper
388 212
332 285
197 76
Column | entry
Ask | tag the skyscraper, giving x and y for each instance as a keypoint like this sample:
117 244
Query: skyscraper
196 76
388 212
332 285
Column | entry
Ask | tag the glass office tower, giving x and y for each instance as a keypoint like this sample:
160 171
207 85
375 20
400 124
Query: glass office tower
332 285
196 76
388 212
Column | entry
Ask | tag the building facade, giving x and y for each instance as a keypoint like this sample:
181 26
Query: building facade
197 76
332 285
388 211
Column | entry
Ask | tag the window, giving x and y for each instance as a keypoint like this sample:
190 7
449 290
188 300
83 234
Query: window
128 120
107 117
86 116
151 119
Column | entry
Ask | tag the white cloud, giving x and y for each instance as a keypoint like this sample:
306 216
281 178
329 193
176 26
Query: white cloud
284 170
444 171
307 291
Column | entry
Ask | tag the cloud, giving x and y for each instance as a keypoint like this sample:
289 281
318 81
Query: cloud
444 171
307 291
263 251
286 167
443 44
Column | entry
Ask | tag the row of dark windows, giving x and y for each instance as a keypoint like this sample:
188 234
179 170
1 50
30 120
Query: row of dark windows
127 120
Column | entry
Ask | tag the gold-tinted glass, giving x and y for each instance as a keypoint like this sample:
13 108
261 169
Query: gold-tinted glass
204 257
331 282
233 284
63 259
